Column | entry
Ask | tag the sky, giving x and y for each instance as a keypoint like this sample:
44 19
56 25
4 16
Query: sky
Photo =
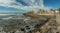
55 4
27 5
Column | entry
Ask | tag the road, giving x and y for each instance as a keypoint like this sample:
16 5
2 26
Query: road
58 21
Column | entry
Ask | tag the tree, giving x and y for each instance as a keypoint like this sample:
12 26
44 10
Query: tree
39 9
59 10
51 9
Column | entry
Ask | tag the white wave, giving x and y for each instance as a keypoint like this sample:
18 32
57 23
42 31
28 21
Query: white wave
5 14
7 18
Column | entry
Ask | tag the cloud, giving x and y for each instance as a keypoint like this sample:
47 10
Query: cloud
33 4
6 2
48 7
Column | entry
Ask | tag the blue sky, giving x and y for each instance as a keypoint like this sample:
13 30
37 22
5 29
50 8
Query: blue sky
52 3
23 5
